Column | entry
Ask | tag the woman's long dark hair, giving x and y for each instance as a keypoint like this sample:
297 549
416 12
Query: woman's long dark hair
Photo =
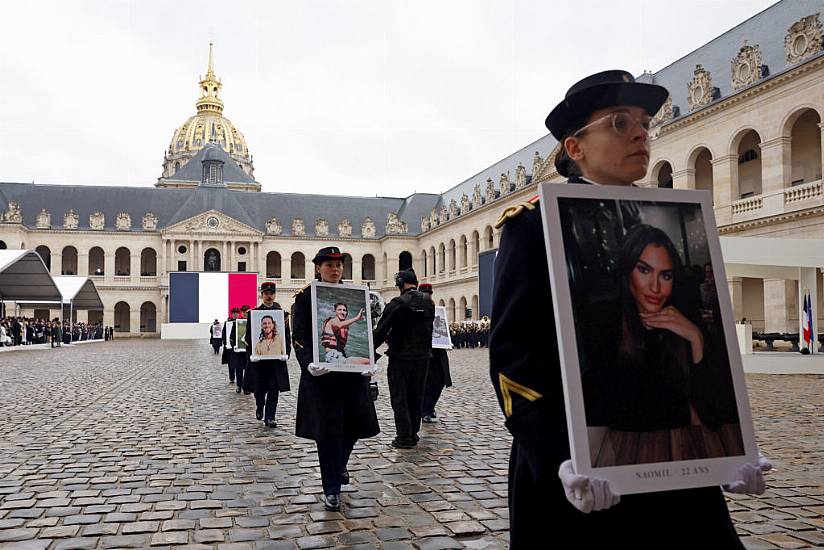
634 243
274 330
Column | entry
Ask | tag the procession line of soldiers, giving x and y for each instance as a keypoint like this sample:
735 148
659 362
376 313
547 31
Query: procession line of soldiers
335 409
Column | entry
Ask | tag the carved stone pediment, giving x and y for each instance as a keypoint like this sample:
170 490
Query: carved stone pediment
368 228
477 198
433 218
504 184
123 221
746 67
803 39
424 223
71 220
700 92
520 176
664 114
453 209
490 190
43 219
394 226
273 227
345 228
545 170
212 222
149 222
13 214
443 215
536 161
97 221
298 228
321 227
465 205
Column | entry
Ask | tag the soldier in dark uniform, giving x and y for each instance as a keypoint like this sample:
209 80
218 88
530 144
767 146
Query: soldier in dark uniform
437 374
215 340
271 376
602 125
238 359
226 356
406 325
334 408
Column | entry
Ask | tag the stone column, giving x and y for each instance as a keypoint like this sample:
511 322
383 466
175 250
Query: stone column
83 263
190 257
108 266
108 315
357 270
821 127
135 267
736 287
724 187
684 179
776 171
134 320
285 267
162 259
779 303
472 260
56 263
162 314
309 269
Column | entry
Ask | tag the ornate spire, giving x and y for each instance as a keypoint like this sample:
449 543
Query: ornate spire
209 89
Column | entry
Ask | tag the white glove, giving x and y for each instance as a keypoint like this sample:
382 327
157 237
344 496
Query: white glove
586 494
749 480
370 372
317 370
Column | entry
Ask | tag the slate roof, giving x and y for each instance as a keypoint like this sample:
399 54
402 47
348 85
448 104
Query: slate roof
193 170
765 29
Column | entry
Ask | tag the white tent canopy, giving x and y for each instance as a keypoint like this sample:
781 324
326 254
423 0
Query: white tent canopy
24 276
770 258
77 290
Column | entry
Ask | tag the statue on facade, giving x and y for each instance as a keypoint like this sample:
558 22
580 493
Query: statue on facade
321 227
394 226
504 184
465 206
70 220
433 218
298 229
43 219
520 176
149 222
345 228
13 214
212 262
453 209
490 190
425 223
477 198
273 227
97 221
123 221
368 228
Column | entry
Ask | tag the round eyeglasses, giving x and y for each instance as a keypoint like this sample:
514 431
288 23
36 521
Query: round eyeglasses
622 123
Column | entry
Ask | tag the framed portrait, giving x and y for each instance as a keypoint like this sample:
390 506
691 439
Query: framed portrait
342 339
240 334
226 343
441 339
268 332
217 331
653 382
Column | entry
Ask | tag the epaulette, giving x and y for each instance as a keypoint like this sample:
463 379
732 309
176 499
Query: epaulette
514 211
299 292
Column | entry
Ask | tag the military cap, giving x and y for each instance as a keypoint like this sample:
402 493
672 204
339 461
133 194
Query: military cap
235 310
425 287
327 253
268 286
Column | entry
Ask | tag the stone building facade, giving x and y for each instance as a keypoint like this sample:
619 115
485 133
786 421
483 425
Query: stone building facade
744 121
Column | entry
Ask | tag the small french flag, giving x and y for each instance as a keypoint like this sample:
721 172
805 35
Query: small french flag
204 297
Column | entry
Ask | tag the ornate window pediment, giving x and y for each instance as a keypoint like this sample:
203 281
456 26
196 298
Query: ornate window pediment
443 215
504 184
700 92
465 204
490 189
149 222
453 209
433 218
665 113
298 228
70 220
13 214
746 67
425 223
368 228
43 219
273 227
803 39
520 176
477 198
345 228
321 227
395 226
123 222
97 221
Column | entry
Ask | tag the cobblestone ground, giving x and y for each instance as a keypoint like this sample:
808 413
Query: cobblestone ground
144 444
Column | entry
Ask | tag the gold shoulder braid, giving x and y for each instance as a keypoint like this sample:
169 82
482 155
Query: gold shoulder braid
514 211
299 292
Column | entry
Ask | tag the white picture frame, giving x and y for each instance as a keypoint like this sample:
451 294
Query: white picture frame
218 332
227 333
603 451
357 354
256 317
241 325
441 337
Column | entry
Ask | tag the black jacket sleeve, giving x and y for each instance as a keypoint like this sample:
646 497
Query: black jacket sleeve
381 332
302 328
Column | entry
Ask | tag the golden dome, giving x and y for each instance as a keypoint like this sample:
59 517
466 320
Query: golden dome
208 125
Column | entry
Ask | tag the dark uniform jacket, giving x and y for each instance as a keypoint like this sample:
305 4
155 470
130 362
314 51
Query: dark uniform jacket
333 405
526 372
440 360
406 325
224 357
277 366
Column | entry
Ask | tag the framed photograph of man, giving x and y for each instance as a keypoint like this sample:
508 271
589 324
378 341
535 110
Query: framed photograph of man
654 386
268 332
240 334
227 334
441 338
343 327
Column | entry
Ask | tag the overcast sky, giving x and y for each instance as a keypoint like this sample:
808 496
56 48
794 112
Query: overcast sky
346 97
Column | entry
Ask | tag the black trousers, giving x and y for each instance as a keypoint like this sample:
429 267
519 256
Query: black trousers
435 382
216 347
406 383
333 455
266 391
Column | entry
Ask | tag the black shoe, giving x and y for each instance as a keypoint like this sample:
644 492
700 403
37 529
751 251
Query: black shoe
238 390
231 382
271 424
434 414
259 414
400 444
344 477
331 502
246 392
415 439
427 419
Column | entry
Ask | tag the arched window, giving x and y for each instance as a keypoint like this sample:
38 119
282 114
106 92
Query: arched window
476 247
298 265
122 317
404 260
96 262
69 261
433 265
425 263
368 267
148 317
3 245
211 260
805 148
122 262
148 262
45 254
463 252
489 238
347 267
442 258
273 265
703 170
450 311
749 164
463 311
664 176
475 313
452 255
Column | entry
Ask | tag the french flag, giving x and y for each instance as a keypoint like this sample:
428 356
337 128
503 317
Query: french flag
204 297
807 322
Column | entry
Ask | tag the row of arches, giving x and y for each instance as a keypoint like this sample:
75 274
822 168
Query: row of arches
96 261
123 317
799 157
297 264
448 257
462 309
